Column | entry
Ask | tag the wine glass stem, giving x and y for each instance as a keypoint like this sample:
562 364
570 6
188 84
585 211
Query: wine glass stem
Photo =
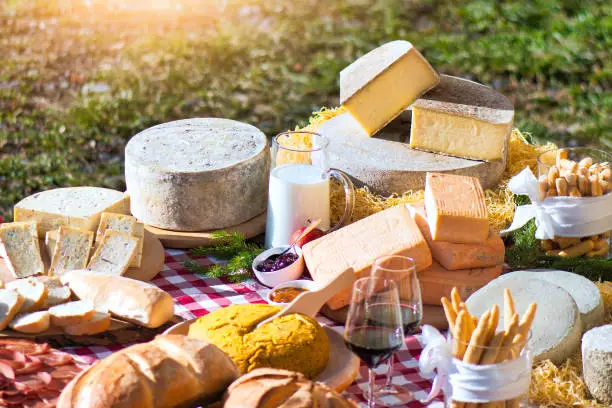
389 372
371 386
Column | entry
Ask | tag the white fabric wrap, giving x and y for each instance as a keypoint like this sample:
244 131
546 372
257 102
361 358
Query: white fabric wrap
470 382
559 216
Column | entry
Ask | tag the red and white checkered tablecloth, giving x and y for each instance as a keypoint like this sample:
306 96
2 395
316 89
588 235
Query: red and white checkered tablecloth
196 295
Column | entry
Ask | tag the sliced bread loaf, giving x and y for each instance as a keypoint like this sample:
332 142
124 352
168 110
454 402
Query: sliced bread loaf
56 292
33 291
98 324
34 322
10 303
72 313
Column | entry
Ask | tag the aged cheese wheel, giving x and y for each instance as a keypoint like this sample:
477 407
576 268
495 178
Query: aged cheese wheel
387 164
197 174
585 293
597 362
556 329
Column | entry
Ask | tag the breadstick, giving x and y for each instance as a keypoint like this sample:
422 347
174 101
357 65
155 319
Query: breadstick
596 189
460 336
568 165
553 252
601 243
508 307
566 242
477 342
509 336
594 169
547 244
578 249
605 174
450 313
561 185
584 185
543 186
493 321
561 154
456 299
518 343
574 192
552 192
597 252
585 163
572 179
526 321
490 354
605 186
553 173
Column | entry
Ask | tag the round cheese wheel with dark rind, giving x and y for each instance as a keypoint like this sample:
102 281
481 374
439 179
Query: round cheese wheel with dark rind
556 329
197 174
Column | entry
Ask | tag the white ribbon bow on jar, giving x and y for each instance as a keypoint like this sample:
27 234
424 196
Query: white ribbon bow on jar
559 216
471 382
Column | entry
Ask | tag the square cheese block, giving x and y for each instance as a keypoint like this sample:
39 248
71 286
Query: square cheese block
437 281
114 253
464 119
123 223
71 251
74 207
20 248
389 232
381 84
460 256
456 208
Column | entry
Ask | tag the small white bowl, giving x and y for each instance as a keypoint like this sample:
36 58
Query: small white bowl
291 272
301 284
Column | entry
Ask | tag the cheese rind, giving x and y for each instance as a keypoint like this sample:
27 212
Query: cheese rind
378 86
389 232
114 253
597 362
453 256
20 248
75 207
456 209
437 281
464 119
71 251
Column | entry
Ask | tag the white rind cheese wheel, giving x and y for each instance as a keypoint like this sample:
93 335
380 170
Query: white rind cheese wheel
556 329
597 362
197 174
585 293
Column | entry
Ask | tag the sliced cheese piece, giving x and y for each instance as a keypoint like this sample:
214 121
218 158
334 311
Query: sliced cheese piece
585 293
437 281
114 253
378 86
75 207
456 209
11 302
389 232
556 329
597 362
71 313
56 292
20 248
98 324
453 256
71 250
198 174
123 223
51 241
464 119
32 323
33 291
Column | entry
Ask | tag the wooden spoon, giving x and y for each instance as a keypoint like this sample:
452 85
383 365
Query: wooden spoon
309 303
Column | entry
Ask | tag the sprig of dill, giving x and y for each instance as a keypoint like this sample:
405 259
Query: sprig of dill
232 248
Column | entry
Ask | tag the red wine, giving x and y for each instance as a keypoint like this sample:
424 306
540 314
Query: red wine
373 345
381 314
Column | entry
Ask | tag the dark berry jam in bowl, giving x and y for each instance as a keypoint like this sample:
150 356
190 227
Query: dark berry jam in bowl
271 268
276 262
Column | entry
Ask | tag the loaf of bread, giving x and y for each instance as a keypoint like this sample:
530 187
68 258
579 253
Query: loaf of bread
167 372
129 299
272 388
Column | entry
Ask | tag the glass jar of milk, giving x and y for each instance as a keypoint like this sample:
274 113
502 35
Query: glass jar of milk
299 186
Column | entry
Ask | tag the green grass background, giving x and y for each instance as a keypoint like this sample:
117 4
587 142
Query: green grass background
79 78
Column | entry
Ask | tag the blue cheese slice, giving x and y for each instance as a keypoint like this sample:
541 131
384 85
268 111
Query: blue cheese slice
75 207
71 250
123 223
114 253
20 248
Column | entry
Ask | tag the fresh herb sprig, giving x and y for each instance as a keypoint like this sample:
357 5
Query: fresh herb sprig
232 248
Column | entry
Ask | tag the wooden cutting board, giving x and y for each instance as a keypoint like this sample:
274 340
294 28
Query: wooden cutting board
152 261
186 240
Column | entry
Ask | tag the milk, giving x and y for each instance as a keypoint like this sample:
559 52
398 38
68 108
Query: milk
298 193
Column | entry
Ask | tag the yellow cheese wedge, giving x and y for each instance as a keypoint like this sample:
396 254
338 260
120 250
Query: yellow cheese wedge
389 232
384 82
456 208
464 119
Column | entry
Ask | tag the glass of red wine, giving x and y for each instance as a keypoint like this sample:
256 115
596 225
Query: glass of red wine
371 338
401 270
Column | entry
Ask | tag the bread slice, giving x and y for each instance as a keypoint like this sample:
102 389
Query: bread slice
20 248
71 250
123 223
35 322
33 291
56 292
71 313
98 324
10 303
114 254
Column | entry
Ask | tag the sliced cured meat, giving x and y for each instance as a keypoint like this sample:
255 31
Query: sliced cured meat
7 370
32 365
24 346
54 359
17 399
64 372
30 383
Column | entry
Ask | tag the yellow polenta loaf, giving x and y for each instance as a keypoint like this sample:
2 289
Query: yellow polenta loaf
294 342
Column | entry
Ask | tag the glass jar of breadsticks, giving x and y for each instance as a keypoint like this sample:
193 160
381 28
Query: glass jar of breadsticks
491 360
575 172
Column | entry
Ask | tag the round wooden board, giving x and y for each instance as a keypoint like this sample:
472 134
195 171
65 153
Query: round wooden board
153 257
186 240
341 369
